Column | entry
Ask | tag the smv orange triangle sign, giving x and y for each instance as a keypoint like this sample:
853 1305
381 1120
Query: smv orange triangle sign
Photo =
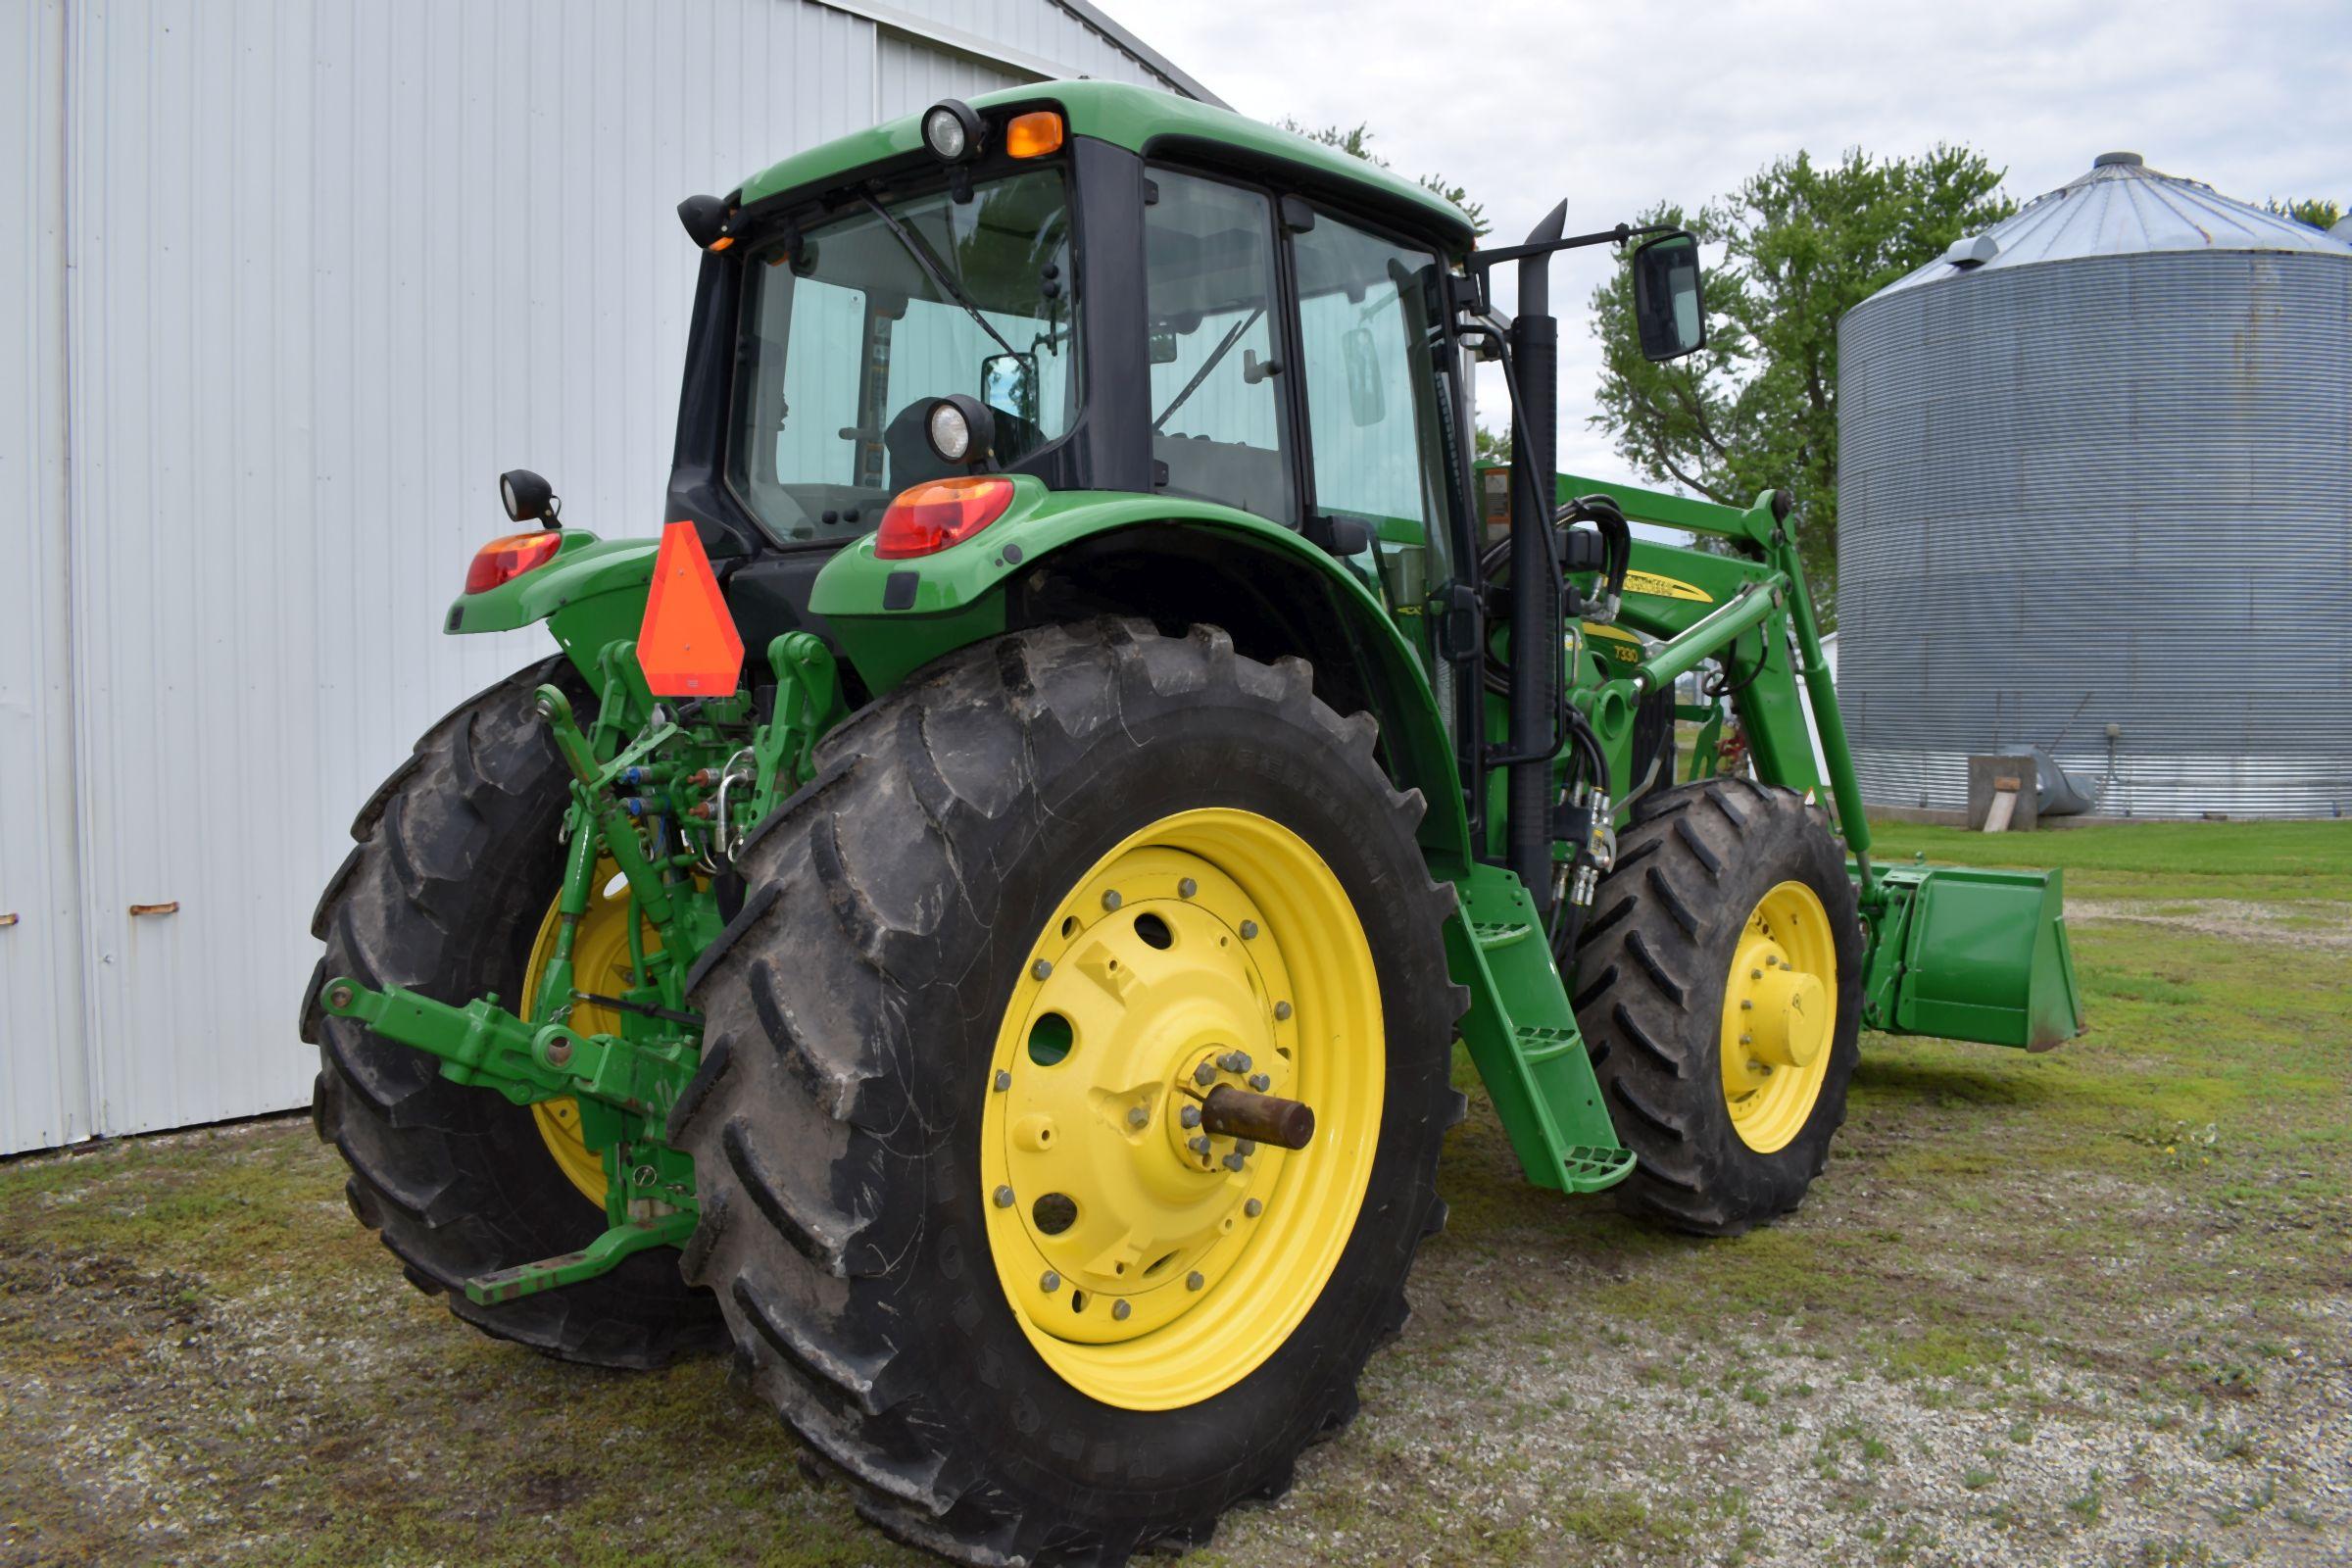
688 645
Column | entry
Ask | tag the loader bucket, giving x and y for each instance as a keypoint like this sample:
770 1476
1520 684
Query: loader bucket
1983 956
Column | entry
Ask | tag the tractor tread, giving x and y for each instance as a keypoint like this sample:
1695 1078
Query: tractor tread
417 904
1650 979
812 1152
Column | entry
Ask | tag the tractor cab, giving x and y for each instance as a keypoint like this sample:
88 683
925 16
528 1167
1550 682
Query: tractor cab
1024 286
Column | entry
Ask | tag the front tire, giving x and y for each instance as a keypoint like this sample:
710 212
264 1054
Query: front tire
1724 931
877 1082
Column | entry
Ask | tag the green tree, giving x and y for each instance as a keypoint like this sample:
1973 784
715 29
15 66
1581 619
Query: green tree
1801 243
1357 142
2317 211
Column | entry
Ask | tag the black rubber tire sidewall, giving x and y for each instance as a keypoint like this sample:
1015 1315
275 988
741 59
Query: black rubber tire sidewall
455 863
1692 868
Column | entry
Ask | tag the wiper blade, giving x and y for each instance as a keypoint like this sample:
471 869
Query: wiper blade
914 246
1216 357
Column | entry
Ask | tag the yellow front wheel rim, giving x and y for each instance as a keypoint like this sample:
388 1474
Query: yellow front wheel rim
600 964
1214 947
1780 1017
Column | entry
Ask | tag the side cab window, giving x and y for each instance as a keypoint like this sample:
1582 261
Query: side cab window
1218 421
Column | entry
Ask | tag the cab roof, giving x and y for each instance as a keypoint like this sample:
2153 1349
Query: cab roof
1143 121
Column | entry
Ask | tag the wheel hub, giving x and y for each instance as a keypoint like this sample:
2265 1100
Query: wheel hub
1146 998
1212 955
1780 1012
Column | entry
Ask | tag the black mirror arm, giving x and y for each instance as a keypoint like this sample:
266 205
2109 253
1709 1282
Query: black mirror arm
1480 260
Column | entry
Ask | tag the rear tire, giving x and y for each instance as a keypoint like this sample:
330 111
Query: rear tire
1654 961
855 1007
455 863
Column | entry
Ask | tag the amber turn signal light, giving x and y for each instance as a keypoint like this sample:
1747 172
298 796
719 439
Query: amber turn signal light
1034 134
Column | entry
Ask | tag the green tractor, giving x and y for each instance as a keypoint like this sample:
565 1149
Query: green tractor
1015 1008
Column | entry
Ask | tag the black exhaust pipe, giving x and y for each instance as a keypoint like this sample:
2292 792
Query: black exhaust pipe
1535 586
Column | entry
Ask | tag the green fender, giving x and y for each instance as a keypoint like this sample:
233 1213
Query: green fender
957 597
591 595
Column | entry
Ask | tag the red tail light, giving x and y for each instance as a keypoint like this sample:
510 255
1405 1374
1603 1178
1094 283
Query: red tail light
929 518
504 559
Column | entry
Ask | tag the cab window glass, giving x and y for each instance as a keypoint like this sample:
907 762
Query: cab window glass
1372 379
1209 290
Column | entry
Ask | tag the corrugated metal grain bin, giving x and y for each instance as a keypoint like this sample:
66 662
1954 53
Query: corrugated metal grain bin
2095 497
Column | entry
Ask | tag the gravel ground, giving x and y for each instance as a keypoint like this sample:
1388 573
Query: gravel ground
2090 1308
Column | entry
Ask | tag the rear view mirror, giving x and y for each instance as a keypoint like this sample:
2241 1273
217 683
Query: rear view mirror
1008 385
1163 348
1366 405
1668 310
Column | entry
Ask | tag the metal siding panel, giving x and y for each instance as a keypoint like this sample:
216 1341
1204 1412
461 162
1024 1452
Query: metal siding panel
2113 490
911 75
44 1091
336 275
336 272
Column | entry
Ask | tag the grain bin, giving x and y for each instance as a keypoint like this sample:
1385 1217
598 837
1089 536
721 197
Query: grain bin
2095 497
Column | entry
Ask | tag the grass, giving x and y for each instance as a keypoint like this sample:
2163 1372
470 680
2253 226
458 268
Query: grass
2092 1305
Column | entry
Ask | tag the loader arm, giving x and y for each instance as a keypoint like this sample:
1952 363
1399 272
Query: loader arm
1953 952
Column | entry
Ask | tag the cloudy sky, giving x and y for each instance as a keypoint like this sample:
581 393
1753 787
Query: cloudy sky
1614 105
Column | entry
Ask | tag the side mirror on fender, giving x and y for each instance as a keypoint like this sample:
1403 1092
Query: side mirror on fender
1669 310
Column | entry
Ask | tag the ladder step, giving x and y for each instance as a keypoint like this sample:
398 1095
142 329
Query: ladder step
1540 1044
1493 934
1589 1170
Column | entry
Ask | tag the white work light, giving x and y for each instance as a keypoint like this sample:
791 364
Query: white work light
951 131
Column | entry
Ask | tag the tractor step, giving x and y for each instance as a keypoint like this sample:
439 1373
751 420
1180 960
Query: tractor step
1521 1031
1493 934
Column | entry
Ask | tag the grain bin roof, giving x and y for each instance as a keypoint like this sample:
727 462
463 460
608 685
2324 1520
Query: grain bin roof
2122 208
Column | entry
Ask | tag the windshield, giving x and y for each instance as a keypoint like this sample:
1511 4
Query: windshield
849 335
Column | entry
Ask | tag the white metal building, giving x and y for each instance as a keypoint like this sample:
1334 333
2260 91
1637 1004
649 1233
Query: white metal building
289 283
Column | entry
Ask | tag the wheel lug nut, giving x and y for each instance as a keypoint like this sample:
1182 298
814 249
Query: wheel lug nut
1004 1080
1260 1082
1041 969
1204 1074
1755 974
1234 1163
1050 1283
1249 930
1190 1116
1137 1115
1245 1145
1234 1061
1200 1146
1281 1010
1186 888
1253 1208
1111 899
1004 1198
1193 1281
1119 1311
1746 1005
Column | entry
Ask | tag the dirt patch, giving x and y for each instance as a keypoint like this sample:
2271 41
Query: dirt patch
2324 926
2087 1307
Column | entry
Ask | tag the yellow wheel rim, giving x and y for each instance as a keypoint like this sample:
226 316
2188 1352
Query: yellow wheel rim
1150 1275
600 962
1780 1016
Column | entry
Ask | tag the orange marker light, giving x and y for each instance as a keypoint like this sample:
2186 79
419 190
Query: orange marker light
506 559
928 518
688 645
1034 134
